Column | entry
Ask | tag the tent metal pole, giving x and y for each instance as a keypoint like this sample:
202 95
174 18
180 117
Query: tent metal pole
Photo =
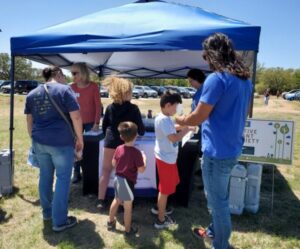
253 82
11 118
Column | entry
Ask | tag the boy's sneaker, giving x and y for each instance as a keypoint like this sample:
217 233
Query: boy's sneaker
101 204
168 211
71 221
165 224
111 225
133 231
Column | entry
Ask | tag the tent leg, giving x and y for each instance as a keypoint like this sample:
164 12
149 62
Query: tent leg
253 82
11 120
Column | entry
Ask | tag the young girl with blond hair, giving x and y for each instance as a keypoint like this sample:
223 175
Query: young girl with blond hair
120 90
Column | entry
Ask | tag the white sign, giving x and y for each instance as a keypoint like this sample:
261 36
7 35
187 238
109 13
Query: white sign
147 179
268 141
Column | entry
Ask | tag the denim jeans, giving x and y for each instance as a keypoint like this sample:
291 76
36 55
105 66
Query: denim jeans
60 160
216 176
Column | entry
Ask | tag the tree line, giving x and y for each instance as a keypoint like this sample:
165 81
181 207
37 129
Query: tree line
277 79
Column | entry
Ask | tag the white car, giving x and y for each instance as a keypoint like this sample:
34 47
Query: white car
146 91
191 90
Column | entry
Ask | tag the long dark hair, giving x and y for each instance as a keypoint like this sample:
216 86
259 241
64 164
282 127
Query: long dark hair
221 57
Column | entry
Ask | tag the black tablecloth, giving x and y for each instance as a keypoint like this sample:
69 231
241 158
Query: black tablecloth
187 161
89 163
188 158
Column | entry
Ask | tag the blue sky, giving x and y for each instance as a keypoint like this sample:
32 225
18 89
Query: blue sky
280 21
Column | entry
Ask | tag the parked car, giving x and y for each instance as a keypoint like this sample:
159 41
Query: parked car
159 89
5 88
181 90
184 92
103 92
146 91
3 84
21 86
191 90
25 86
291 95
136 93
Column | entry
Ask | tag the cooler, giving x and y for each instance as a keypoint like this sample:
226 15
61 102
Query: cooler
237 189
6 172
254 172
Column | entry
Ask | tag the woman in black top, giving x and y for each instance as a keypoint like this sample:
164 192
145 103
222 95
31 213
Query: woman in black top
120 90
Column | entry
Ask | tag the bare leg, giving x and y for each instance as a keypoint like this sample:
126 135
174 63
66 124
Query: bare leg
106 171
161 204
127 215
113 209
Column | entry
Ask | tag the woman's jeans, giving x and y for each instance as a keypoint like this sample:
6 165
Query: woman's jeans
216 176
59 159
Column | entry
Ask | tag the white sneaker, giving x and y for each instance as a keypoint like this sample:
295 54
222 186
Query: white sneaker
168 211
165 224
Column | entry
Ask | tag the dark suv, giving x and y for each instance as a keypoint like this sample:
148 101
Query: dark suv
25 86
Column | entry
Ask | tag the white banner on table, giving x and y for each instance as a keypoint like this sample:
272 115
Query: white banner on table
268 141
147 179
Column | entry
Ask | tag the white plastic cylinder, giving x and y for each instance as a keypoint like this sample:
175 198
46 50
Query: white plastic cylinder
254 173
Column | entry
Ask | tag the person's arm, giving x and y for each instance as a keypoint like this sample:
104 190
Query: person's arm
139 122
113 162
97 103
77 124
141 169
178 136
198 116
105 121
29 124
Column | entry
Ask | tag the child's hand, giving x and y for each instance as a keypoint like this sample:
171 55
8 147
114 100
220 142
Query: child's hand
144 156
185 129
193 129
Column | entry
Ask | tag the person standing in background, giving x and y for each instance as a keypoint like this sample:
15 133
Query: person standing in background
267 96
120 90
196 78
222 110
53 143
89 100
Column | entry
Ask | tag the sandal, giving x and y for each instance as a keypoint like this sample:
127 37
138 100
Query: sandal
200 233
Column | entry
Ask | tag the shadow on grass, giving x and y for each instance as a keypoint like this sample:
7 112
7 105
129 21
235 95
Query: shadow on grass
34 203
180 234
4 217
83 235
83 202
284 222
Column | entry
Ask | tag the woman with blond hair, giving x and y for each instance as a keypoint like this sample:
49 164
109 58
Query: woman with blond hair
88 97
120 90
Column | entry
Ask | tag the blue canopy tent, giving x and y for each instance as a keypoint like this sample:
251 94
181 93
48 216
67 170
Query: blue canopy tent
153 39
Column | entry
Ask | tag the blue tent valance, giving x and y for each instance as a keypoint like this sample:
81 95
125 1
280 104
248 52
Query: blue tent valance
141 37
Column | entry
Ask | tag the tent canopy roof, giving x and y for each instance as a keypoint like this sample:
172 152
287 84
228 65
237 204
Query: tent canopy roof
141 39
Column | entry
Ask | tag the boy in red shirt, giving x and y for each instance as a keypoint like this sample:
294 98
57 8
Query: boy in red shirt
128 161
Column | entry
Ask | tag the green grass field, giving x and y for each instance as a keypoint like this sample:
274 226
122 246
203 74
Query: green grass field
21 225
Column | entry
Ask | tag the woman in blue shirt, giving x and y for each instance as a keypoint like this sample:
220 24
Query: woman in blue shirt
53 143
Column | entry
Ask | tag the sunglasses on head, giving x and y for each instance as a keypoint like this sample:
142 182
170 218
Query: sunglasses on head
75 73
